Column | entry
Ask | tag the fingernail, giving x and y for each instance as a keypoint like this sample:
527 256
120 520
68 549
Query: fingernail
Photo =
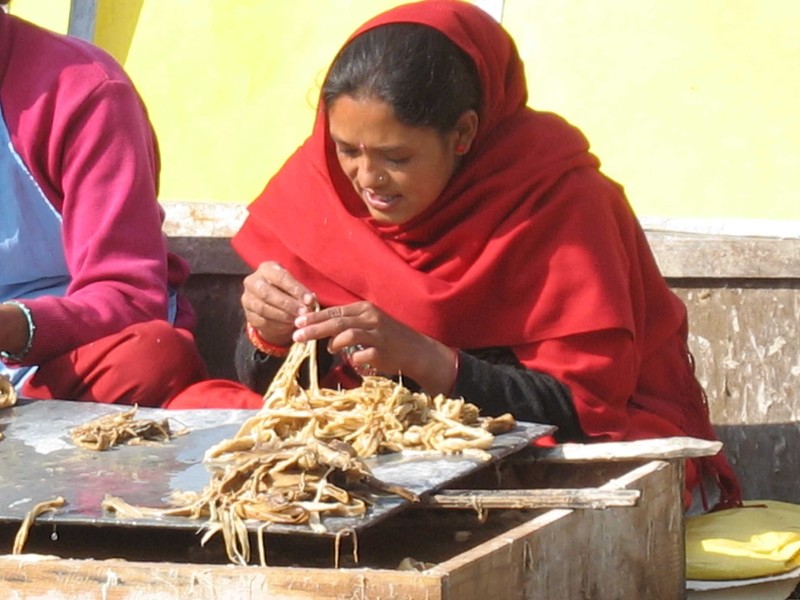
300 321
297 336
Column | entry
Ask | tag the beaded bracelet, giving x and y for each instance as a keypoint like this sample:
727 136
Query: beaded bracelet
8 356
263 345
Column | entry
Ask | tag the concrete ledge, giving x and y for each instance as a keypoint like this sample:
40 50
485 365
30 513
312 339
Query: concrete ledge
201 232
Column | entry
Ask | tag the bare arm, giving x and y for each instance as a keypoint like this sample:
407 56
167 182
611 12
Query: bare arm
13 329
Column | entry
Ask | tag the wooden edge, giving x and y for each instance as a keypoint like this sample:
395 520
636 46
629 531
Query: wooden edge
548 517
515 562
40 576
503 565
660 448
626 480
479 500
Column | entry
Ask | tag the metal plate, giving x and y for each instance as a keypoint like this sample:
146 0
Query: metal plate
39 462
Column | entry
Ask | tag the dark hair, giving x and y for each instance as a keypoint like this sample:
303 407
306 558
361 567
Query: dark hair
426 78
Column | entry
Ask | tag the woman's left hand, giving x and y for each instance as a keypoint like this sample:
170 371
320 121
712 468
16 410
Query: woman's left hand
387 345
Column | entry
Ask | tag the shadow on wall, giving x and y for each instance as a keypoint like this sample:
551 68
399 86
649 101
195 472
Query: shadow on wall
216 300
117 39
766 459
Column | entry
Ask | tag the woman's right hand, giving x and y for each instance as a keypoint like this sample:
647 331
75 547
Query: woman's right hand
271 301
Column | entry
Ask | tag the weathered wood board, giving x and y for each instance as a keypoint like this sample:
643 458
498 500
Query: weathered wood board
628 552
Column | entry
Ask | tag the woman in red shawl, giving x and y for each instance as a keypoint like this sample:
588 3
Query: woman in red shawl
469 243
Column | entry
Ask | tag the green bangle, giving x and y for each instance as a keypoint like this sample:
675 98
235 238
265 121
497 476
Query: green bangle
31 328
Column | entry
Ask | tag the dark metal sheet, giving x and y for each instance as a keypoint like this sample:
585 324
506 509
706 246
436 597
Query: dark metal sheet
39 462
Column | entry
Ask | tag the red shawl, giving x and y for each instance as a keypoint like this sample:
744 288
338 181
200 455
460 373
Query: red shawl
529 247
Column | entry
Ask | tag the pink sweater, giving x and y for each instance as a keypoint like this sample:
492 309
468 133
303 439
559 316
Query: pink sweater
81 129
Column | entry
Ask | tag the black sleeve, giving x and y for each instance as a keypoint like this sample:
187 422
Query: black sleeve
528 395
494 382
253 368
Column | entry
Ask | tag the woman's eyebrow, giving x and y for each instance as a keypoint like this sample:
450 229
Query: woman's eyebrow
355 145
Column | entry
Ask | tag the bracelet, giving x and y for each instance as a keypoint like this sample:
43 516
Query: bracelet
263 345
31 328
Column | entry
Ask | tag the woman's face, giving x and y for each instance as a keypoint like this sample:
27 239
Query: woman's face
398 171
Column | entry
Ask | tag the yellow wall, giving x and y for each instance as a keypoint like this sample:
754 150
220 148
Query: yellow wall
53 14
691 105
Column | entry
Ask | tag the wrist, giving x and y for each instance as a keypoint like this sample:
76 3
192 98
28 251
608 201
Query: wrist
438 373
262 345
19 334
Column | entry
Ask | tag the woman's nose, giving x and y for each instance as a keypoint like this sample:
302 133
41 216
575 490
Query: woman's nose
369 176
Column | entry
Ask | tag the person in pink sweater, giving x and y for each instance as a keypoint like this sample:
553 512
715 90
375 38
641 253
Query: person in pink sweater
90 307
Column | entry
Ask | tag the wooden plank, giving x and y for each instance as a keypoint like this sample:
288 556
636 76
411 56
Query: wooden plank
625 553
553 554
481 500
661 448
37 576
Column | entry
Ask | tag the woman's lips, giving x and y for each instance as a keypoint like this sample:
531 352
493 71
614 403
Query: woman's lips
379 201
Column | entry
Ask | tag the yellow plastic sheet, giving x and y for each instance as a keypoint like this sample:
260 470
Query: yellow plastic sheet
758 540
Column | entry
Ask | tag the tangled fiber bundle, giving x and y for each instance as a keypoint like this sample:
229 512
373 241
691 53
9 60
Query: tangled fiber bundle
299 458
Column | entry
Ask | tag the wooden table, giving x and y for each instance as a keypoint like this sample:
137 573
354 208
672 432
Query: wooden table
602 521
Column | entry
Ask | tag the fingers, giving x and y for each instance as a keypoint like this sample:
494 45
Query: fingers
279 278
271 293
359 358
345 325
271 299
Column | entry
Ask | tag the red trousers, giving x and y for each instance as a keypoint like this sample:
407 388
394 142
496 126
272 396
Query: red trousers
223 393
145 364
216 393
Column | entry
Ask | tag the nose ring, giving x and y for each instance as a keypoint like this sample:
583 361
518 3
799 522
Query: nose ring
381 178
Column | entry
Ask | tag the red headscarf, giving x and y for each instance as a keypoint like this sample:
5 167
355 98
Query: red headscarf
529 247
